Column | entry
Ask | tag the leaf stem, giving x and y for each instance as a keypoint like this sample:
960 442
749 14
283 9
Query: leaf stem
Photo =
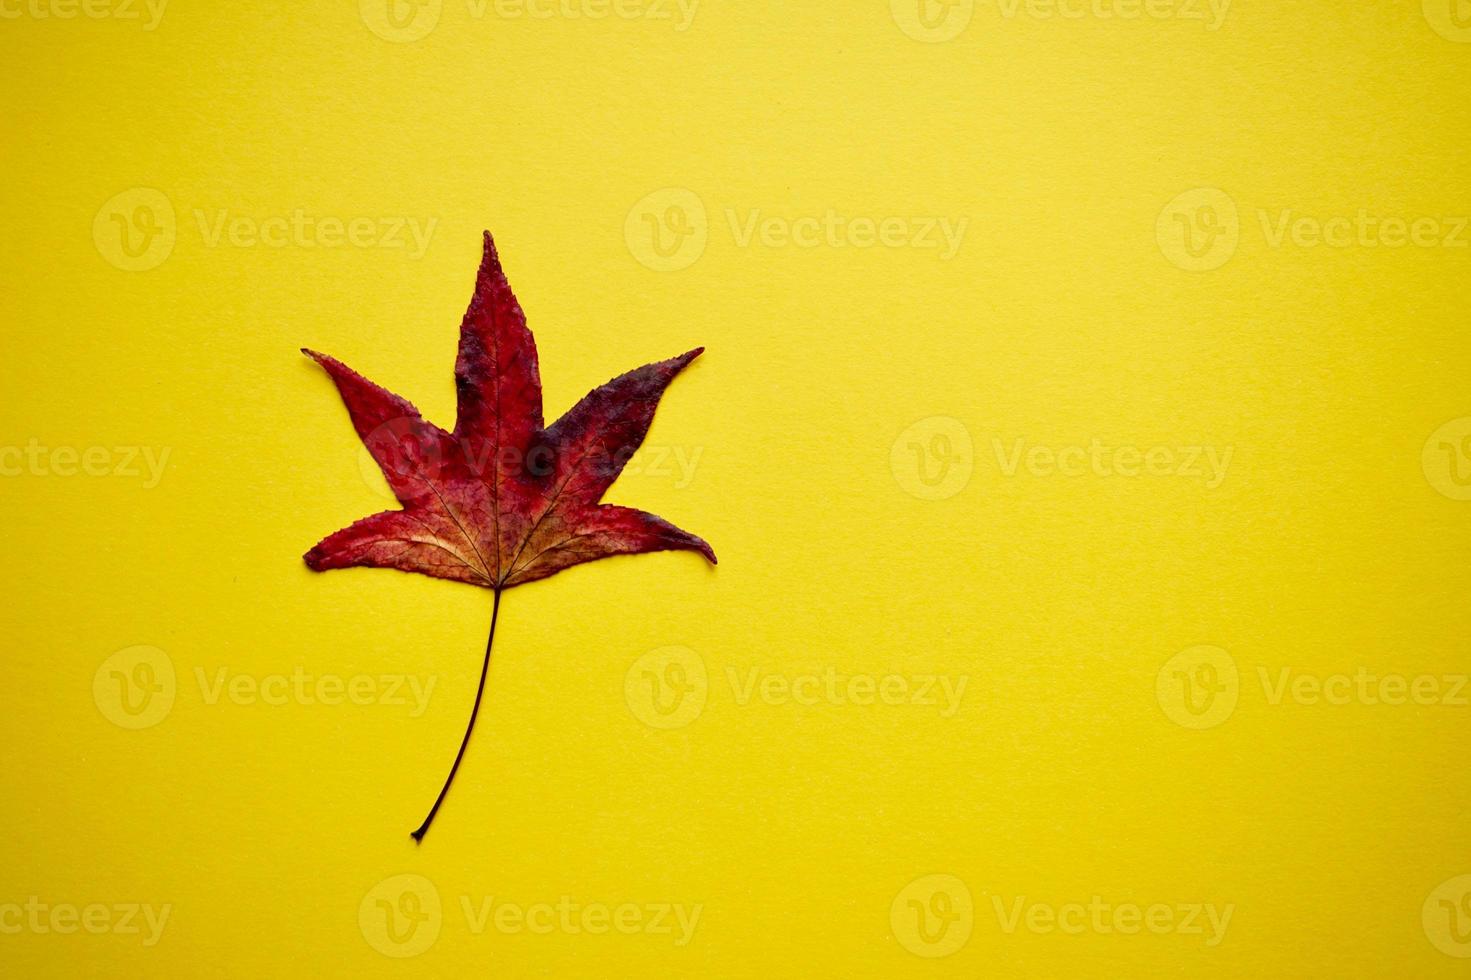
418 835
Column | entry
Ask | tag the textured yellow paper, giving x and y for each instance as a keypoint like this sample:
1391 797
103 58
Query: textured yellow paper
1126 436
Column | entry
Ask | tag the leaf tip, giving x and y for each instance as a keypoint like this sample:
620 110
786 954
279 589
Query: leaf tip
683 360
490 258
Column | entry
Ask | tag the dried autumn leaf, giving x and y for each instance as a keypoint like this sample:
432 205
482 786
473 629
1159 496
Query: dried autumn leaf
502 500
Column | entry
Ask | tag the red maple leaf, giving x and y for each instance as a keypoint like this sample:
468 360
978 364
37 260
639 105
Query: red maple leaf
503 499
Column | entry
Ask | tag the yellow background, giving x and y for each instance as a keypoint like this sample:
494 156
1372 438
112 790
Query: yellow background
1062 319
